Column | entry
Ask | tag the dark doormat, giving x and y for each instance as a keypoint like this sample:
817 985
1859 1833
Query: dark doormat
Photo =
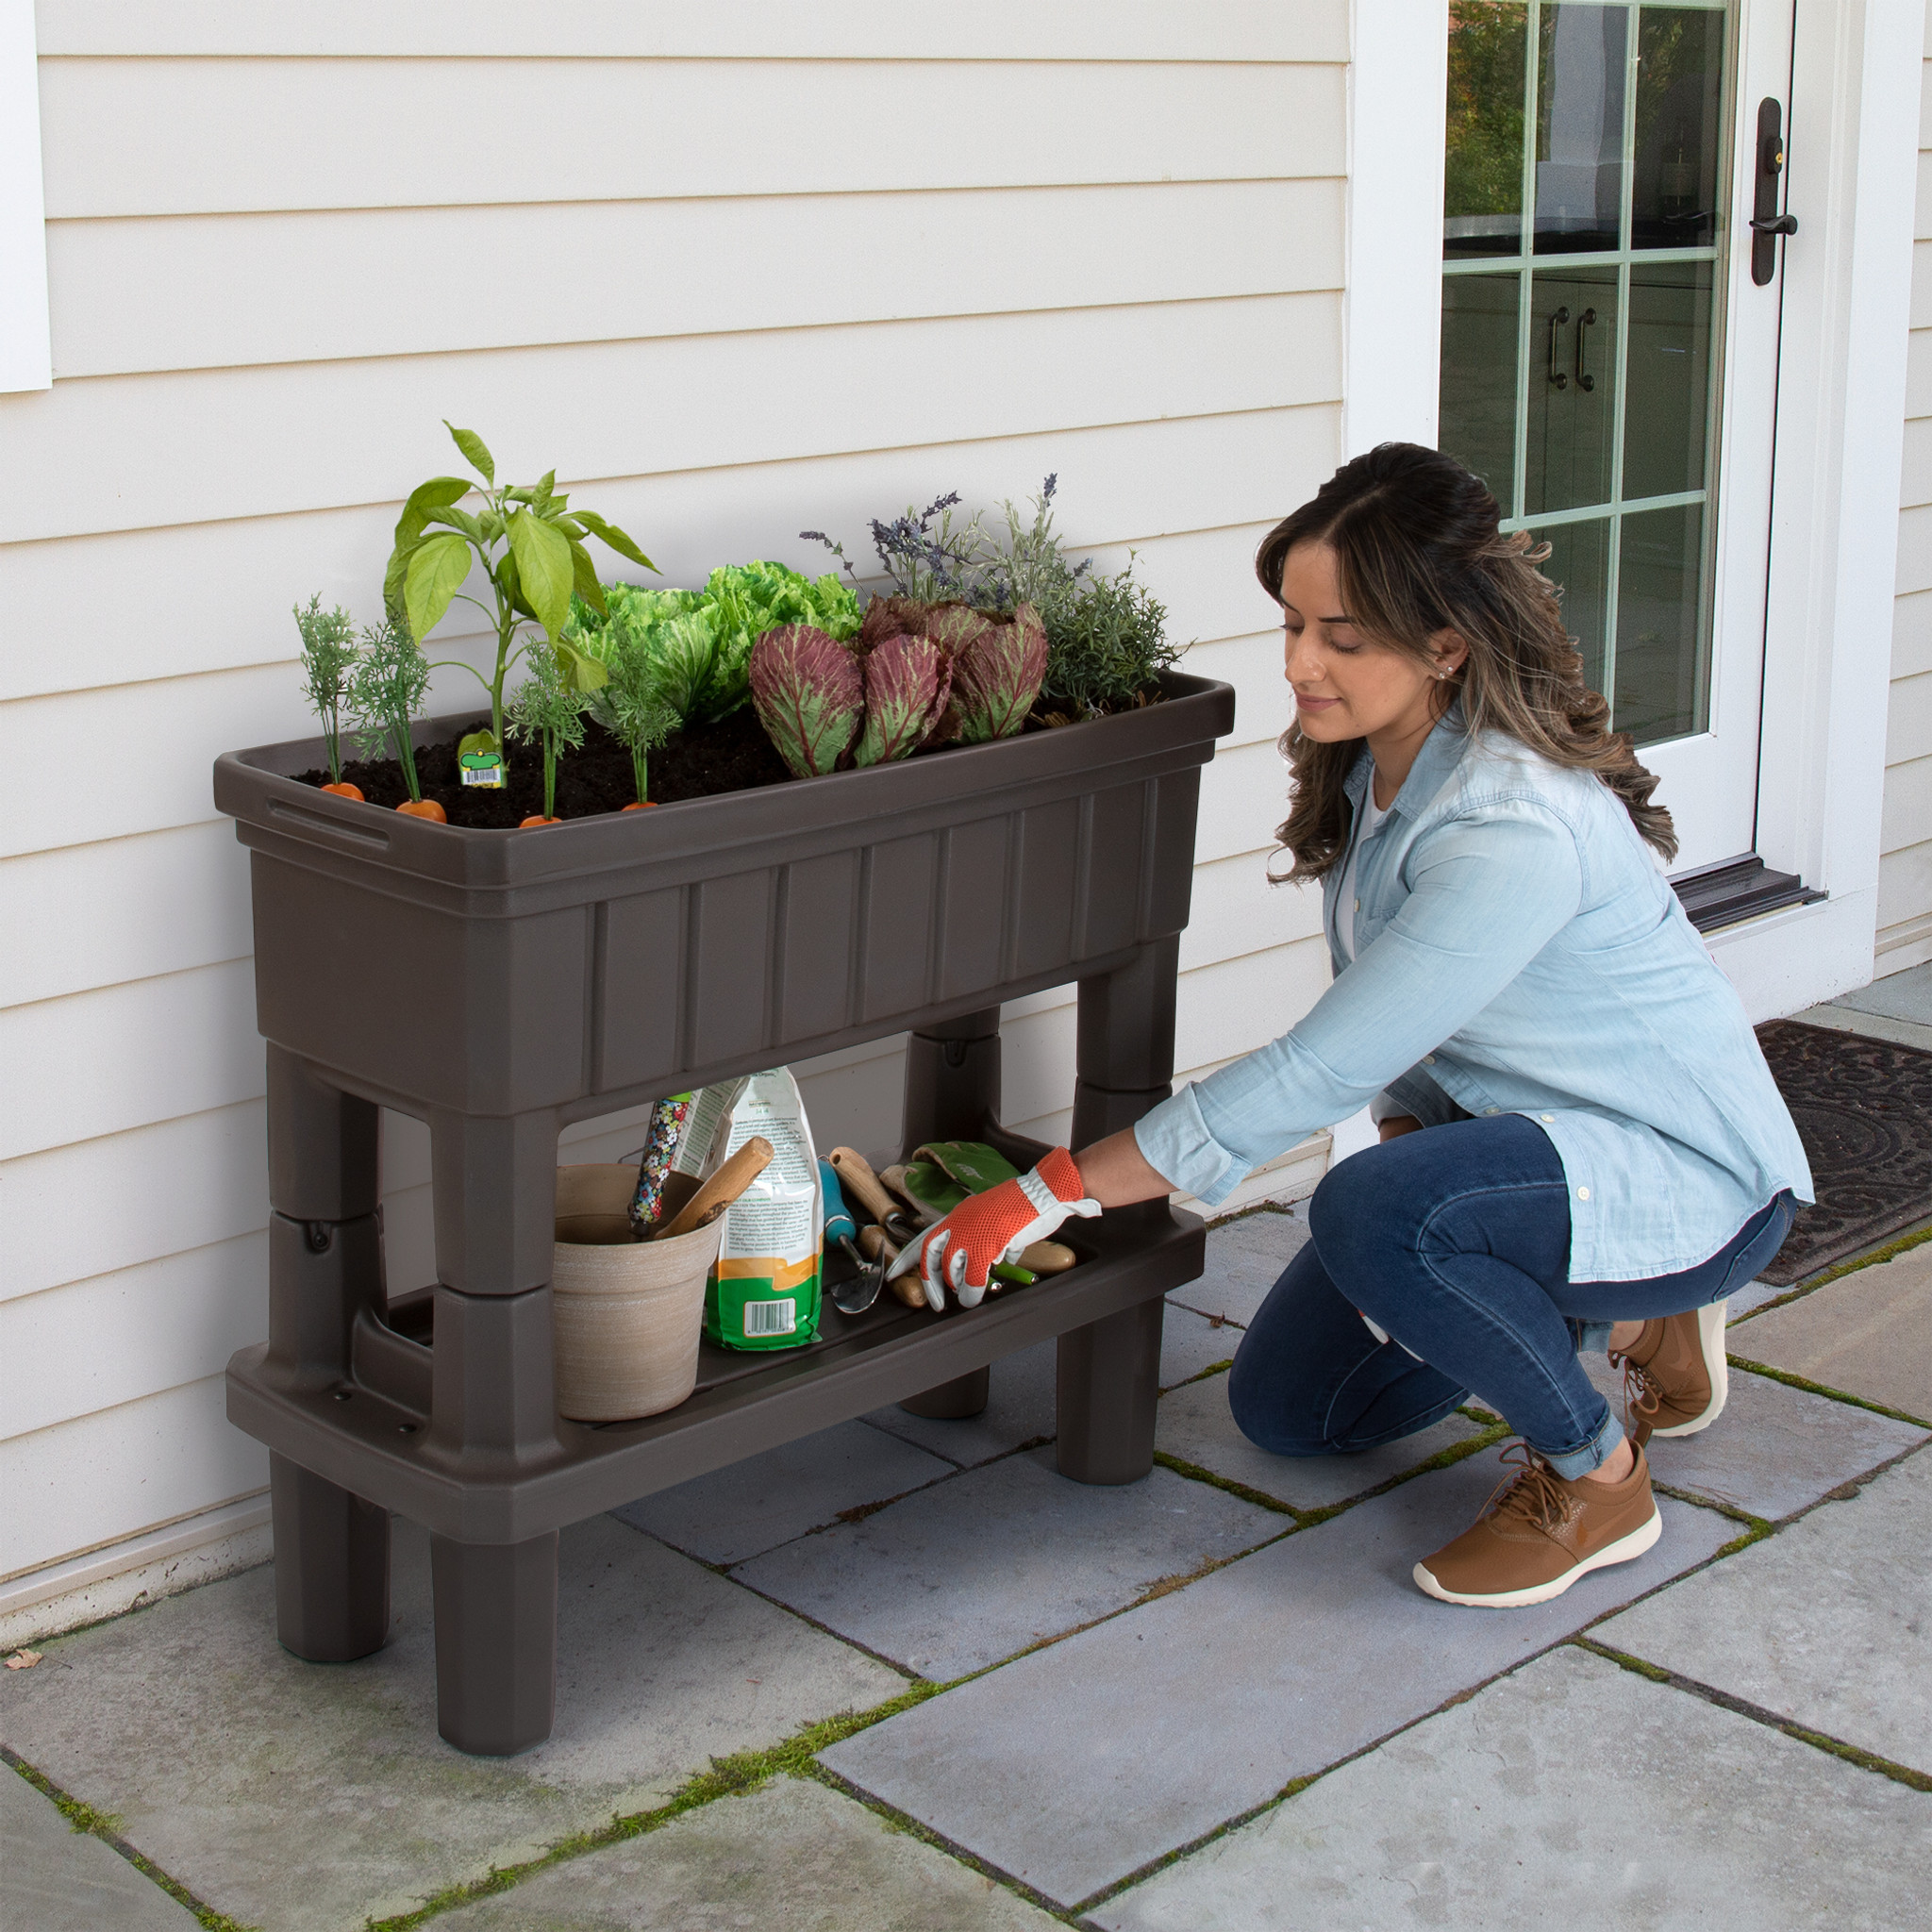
1863 1108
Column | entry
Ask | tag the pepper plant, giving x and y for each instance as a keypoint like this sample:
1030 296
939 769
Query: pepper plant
531 546
328 656
385 692
548 709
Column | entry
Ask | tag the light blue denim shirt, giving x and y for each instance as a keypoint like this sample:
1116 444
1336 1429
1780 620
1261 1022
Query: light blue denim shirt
1518 951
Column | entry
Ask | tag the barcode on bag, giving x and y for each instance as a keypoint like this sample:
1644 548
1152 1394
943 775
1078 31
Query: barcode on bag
770 1318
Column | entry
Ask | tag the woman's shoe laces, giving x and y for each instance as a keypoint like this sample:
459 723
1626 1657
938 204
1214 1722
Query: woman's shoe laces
1642 1398
1534 1492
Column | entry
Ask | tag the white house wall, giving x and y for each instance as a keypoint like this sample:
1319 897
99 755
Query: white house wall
735 270
1905 872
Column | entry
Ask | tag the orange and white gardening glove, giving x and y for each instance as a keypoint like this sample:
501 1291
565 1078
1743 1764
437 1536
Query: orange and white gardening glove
961 1251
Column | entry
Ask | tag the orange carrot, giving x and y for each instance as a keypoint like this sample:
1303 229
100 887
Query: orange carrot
642 805
424 809
539 820
346 791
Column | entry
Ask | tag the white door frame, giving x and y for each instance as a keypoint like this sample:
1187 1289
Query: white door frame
1853 139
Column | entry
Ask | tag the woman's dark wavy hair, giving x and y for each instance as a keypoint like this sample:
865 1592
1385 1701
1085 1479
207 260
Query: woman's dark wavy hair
1417 550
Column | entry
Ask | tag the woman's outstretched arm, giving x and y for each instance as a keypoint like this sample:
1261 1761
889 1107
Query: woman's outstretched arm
1117 1174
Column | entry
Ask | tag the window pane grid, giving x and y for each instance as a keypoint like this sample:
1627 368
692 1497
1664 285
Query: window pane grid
1643 94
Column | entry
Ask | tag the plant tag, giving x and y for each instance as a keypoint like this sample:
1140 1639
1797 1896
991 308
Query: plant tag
483 767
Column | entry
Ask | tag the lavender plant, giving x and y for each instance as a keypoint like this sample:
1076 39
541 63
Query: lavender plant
1107 640
329 657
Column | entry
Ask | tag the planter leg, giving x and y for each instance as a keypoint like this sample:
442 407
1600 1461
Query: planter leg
331 1566
495 1644
953 1079
324 1146
1109 1382
325 1265
1124 1052
953 1402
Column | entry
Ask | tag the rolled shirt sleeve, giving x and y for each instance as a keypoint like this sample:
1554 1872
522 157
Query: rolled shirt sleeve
1487 893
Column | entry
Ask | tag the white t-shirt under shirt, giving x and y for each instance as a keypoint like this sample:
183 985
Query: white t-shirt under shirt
1372 817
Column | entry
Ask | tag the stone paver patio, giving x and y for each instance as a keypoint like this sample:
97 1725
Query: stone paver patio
905 1676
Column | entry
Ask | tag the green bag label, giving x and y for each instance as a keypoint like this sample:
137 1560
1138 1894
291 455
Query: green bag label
751 1310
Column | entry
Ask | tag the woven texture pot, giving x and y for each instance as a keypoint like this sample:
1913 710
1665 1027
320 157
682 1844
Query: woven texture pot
627 1315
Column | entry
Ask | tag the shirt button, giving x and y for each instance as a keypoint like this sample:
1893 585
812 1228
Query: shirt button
1428 1059
1492 1110
1583 1194
1546 1116
1358 904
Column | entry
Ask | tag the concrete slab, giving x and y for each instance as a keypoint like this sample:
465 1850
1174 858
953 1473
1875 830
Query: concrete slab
1245 1257
1571 1793
1868 1333
1872 1025
55 1879
1191 1342
1194 1425
1074 1766
766 1500
309 1797
1901 996
1774 1450
1019 1410
1751 1297
956 1578
795 1855
1829 1623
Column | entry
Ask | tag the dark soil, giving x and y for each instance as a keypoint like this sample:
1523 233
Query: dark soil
733 755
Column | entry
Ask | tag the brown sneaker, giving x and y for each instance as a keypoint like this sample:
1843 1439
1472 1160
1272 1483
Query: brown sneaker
1676 1377
1539 1533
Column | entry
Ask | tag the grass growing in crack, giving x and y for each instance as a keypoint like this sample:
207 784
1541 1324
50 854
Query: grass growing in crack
107 1828
727 1777
1791 1381
1306 1519
1891 1251
1819 1741
1194 1473
1211 1370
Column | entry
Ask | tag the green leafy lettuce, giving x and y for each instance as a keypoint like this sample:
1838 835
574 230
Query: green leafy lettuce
699 642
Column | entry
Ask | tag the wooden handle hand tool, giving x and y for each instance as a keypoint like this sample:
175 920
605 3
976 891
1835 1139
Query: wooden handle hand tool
856 1177
719 1192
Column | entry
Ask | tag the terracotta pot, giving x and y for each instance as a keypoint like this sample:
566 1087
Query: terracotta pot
626 1314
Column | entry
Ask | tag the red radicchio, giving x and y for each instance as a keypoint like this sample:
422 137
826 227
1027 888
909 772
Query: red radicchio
906 683
808 693
998 667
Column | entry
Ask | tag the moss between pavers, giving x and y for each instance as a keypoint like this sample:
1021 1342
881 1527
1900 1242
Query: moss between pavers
1891 1251
107 1828
1791 1381
1837 1747
731 1777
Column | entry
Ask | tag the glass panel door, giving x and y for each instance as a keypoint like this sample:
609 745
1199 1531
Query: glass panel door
1585 214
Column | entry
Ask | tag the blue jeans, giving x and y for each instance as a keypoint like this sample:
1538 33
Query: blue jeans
1456 1241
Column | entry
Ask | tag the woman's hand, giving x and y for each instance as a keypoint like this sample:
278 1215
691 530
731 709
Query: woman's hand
1400 1124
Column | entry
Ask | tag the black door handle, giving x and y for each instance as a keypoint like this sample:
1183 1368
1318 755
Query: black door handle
1766 225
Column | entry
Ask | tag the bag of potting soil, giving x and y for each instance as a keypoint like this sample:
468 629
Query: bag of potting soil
764 1289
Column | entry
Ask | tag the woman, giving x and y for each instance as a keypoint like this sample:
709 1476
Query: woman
1581 1145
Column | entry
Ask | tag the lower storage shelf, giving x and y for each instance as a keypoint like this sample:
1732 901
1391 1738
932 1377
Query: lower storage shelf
372 1432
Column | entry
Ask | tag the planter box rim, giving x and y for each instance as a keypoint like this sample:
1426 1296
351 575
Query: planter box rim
257 787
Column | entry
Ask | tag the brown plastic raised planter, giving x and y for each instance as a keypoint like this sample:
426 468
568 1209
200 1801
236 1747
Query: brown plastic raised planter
499 985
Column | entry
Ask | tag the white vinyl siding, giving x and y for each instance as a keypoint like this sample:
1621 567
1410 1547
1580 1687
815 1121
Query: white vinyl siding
734 271
1904 868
